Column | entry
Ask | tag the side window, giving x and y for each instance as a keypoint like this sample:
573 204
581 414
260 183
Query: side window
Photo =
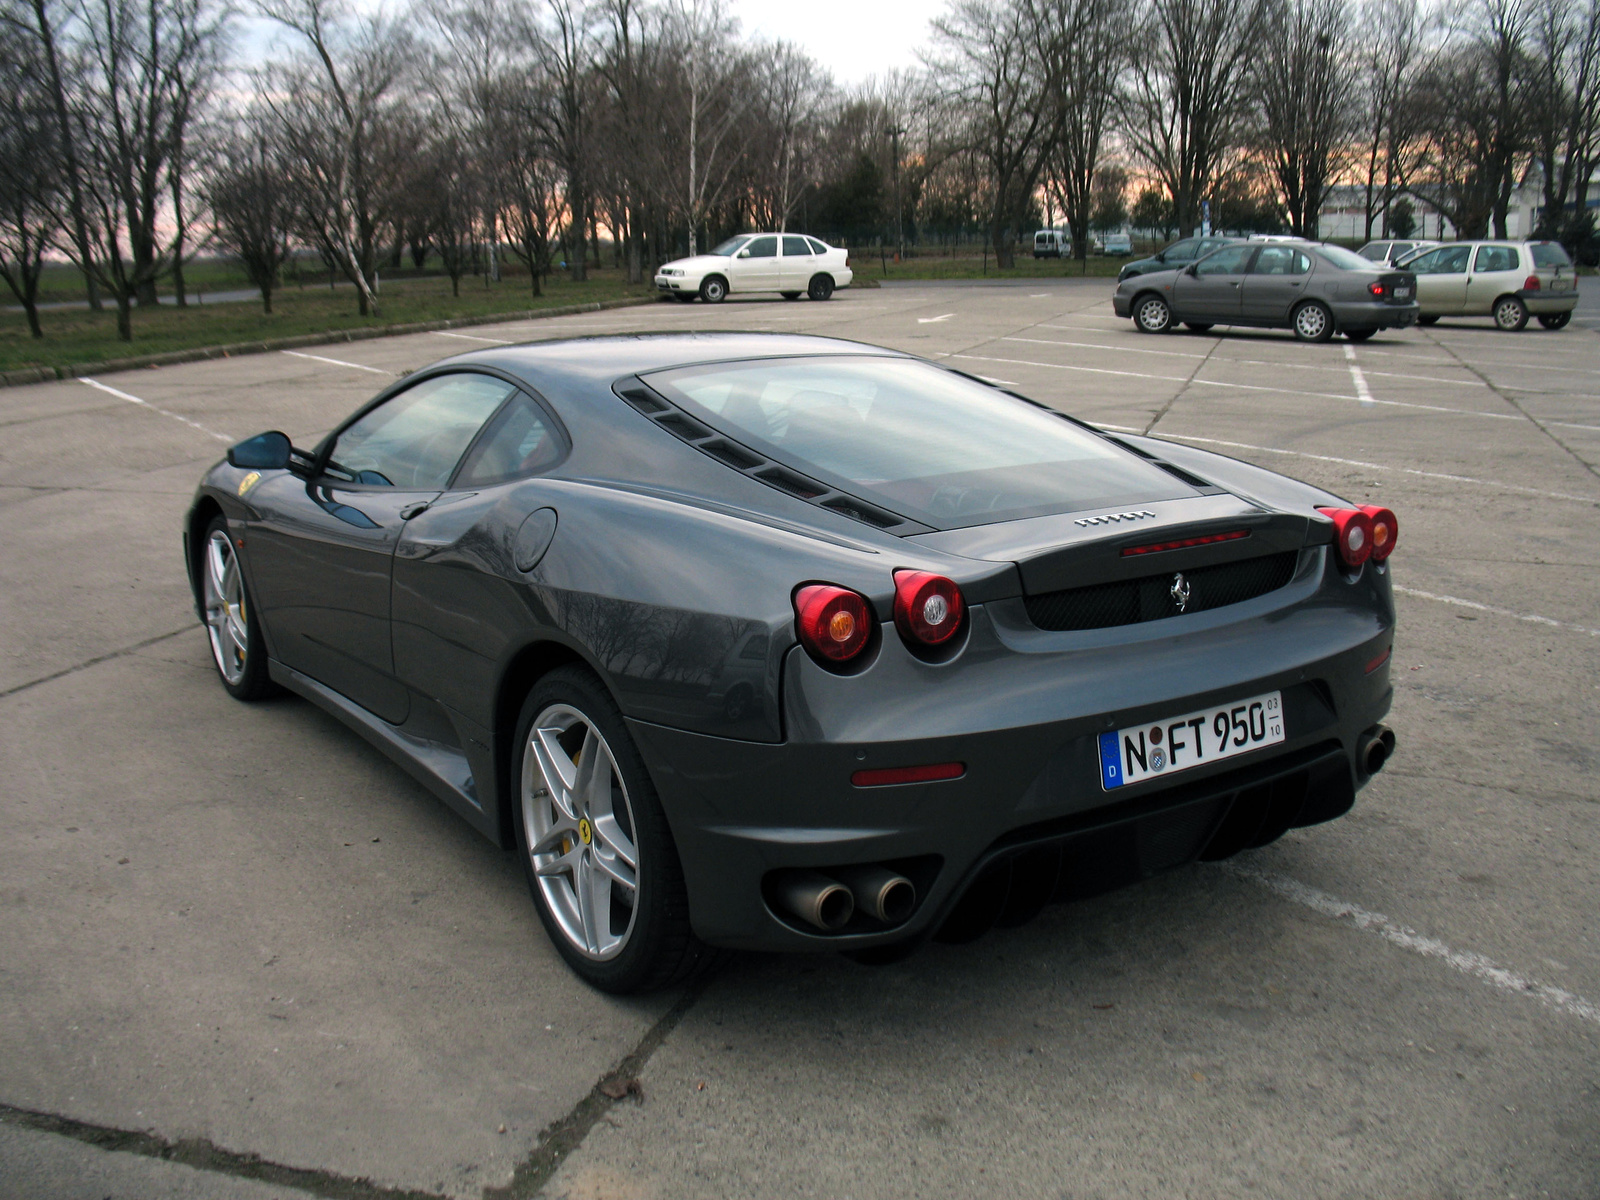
762 247
1447 260
1230 260
1181 252
415 439
518 442
1278 260
1495 258
817 247
795 247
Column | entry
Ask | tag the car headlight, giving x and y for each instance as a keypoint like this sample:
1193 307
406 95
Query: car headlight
671 271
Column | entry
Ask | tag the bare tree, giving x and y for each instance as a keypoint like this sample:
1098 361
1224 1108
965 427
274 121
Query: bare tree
30 179
1087 52
1564 97
1305 90
336 107
253 203
713 97
988 53
1182 111
1391 33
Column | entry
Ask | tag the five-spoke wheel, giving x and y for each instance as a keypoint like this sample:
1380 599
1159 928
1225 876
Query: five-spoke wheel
231 625
595 845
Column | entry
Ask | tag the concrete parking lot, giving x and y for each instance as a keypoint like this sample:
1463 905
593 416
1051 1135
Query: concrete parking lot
242 954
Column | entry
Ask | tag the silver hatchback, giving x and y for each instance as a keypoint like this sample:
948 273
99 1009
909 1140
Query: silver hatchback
1509 281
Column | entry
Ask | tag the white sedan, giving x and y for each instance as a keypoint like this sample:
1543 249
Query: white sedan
787 263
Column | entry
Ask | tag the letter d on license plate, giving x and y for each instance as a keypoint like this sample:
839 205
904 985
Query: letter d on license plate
1175 744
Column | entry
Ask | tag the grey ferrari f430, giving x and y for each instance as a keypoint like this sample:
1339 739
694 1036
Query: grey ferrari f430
790 643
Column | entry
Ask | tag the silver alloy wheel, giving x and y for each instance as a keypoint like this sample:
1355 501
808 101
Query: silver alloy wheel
1311 321
226 620
578 824
1510 314
1153 315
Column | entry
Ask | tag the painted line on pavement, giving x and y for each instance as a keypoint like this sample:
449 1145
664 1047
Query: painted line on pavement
338 362
1356 462
467 337
1356 376
1534 618
1468 962
934 320
95 383
1250 387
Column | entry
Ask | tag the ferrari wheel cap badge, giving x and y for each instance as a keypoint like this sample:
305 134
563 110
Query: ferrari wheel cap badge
585 831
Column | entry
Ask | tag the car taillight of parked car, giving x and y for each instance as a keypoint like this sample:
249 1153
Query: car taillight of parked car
833 623
1531 284
928 608
1385 530
1378 289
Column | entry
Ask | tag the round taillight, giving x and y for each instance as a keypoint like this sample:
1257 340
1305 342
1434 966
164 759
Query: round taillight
928 608
1531 284
1385 530
833 622
1352 534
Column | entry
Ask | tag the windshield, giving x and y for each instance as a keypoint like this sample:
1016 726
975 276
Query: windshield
927 443
731 247
1345 260
1549 254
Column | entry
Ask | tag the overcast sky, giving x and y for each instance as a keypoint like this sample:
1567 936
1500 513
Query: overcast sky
850 38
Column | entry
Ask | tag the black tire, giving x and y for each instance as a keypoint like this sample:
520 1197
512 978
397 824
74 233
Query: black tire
1359 335
242 671
659 949
1198 326
1151 314
1427 320
790 295
1312 322
713 289
1555 320
820 287
1510 314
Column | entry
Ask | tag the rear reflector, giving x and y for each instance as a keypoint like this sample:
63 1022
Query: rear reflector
1380 660
1204 539
930 773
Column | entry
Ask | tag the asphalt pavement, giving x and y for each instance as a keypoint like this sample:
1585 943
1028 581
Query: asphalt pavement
243 955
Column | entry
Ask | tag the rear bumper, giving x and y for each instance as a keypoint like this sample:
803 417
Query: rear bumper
1543 303
1362 315
1023 710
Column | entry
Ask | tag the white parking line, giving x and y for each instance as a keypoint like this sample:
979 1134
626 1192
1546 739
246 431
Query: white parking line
1499 612
934 320
467 337
1356 376
1396 934
1255 387
338 362
95 383
1356 462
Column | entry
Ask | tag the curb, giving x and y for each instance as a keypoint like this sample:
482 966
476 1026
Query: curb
200 353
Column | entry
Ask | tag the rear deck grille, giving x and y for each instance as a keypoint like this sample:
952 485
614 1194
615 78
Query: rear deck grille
1149 597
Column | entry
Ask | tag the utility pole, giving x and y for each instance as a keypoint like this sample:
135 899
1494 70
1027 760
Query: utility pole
894 132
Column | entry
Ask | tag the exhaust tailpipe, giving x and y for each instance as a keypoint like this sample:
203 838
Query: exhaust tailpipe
816 899
880 892
1374 748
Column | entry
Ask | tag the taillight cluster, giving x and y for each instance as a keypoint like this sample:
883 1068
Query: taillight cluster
1531 284
1362 533
835 623
1379 289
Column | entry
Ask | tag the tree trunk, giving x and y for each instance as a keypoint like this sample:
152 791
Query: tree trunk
266 299
124 317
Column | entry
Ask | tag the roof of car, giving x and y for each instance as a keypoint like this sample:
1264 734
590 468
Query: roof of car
610 356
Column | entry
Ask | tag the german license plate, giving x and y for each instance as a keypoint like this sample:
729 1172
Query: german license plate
1402 293
1176 744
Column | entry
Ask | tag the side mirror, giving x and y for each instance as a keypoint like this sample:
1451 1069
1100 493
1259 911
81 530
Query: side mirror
264 452
743 254
1192 269
1161 257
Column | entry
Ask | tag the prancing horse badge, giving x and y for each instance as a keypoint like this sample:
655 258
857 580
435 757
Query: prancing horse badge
1179 591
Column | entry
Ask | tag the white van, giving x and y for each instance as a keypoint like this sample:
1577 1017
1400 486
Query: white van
1052 243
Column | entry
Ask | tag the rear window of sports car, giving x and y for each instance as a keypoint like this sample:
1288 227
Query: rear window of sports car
926 443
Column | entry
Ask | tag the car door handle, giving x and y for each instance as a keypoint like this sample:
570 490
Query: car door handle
414 510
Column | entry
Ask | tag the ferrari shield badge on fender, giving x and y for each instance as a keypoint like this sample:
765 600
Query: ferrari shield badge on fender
249 481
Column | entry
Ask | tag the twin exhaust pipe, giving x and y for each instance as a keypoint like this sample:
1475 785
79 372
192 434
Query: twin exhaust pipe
1374 747
829 901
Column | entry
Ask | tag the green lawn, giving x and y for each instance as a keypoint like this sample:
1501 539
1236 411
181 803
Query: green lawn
79 336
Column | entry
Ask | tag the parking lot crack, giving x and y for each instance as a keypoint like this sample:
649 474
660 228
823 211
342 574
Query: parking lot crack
204 1155
1182 388
561 1137
1512 401
93 662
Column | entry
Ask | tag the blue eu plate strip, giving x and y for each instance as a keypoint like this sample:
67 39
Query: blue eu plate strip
1110 761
